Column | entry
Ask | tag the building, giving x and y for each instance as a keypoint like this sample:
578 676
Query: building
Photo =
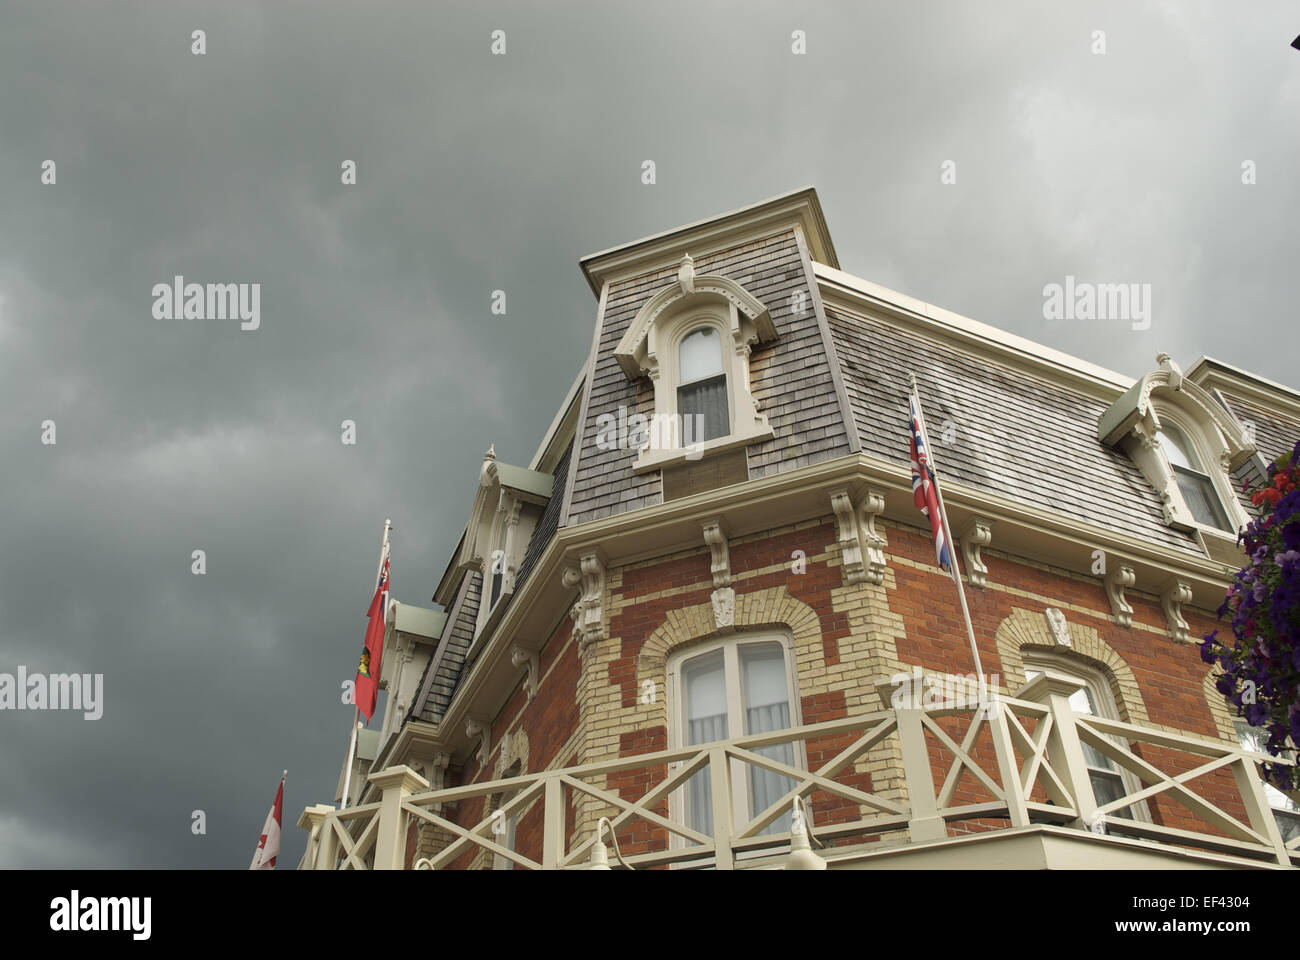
709 590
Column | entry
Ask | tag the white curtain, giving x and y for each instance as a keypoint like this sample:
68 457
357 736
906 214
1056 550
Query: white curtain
706 721
767 707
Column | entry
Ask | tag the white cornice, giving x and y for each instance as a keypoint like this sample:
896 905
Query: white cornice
970 334
666 249
1208 372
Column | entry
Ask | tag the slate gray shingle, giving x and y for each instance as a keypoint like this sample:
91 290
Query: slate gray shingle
1020 437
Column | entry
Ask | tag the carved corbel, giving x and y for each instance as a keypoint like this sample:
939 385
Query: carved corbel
720 566
846 521
1172 599
436 770
1120 579
873 544
861 546
976 534
723 596
523 657
587 612
482 729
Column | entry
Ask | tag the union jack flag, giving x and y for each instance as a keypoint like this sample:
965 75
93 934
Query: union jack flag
925 490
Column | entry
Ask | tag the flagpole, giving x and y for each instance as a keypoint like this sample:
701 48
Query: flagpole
356 710
947 536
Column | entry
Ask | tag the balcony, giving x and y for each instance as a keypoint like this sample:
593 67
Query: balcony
1013 790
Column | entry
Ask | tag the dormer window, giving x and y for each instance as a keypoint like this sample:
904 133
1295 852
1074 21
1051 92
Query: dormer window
692 339
506 509
1186 444
1192 478
702 395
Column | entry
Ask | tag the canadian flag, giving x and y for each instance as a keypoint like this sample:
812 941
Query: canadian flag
268 846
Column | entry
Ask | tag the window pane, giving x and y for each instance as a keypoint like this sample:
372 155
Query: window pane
1107 788
703 409
1082 701
700 354
1252 739
496 590
767 707
1177 449
1288 824
704 681
1201 498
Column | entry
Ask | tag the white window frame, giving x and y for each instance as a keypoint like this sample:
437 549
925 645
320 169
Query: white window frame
507 839
1103 697
1212 468
677 725
670 369
648 348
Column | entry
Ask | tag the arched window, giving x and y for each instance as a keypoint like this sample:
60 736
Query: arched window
1193 479
692 339
1109 782
702 389
735 688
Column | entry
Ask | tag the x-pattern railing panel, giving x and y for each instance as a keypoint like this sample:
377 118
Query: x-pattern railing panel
1025 761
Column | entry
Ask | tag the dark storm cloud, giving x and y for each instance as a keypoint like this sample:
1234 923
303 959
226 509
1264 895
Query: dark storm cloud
478 173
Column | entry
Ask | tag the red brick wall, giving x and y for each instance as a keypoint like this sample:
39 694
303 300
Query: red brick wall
1168 674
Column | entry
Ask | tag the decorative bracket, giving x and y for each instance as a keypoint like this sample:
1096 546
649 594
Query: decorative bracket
1120 579
723 596
873 544
850 545
1060 629
861 547
716 537
1174 596
587 612
523 657
436 770
475 727
977 533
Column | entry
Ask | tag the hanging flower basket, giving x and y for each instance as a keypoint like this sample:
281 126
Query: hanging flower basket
1261 668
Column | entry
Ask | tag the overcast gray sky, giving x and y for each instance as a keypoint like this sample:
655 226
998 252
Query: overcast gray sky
479 172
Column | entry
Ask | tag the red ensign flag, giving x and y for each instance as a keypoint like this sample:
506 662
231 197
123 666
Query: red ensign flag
268 845
367 685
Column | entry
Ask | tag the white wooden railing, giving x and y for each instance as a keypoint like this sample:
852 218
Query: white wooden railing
1017 762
